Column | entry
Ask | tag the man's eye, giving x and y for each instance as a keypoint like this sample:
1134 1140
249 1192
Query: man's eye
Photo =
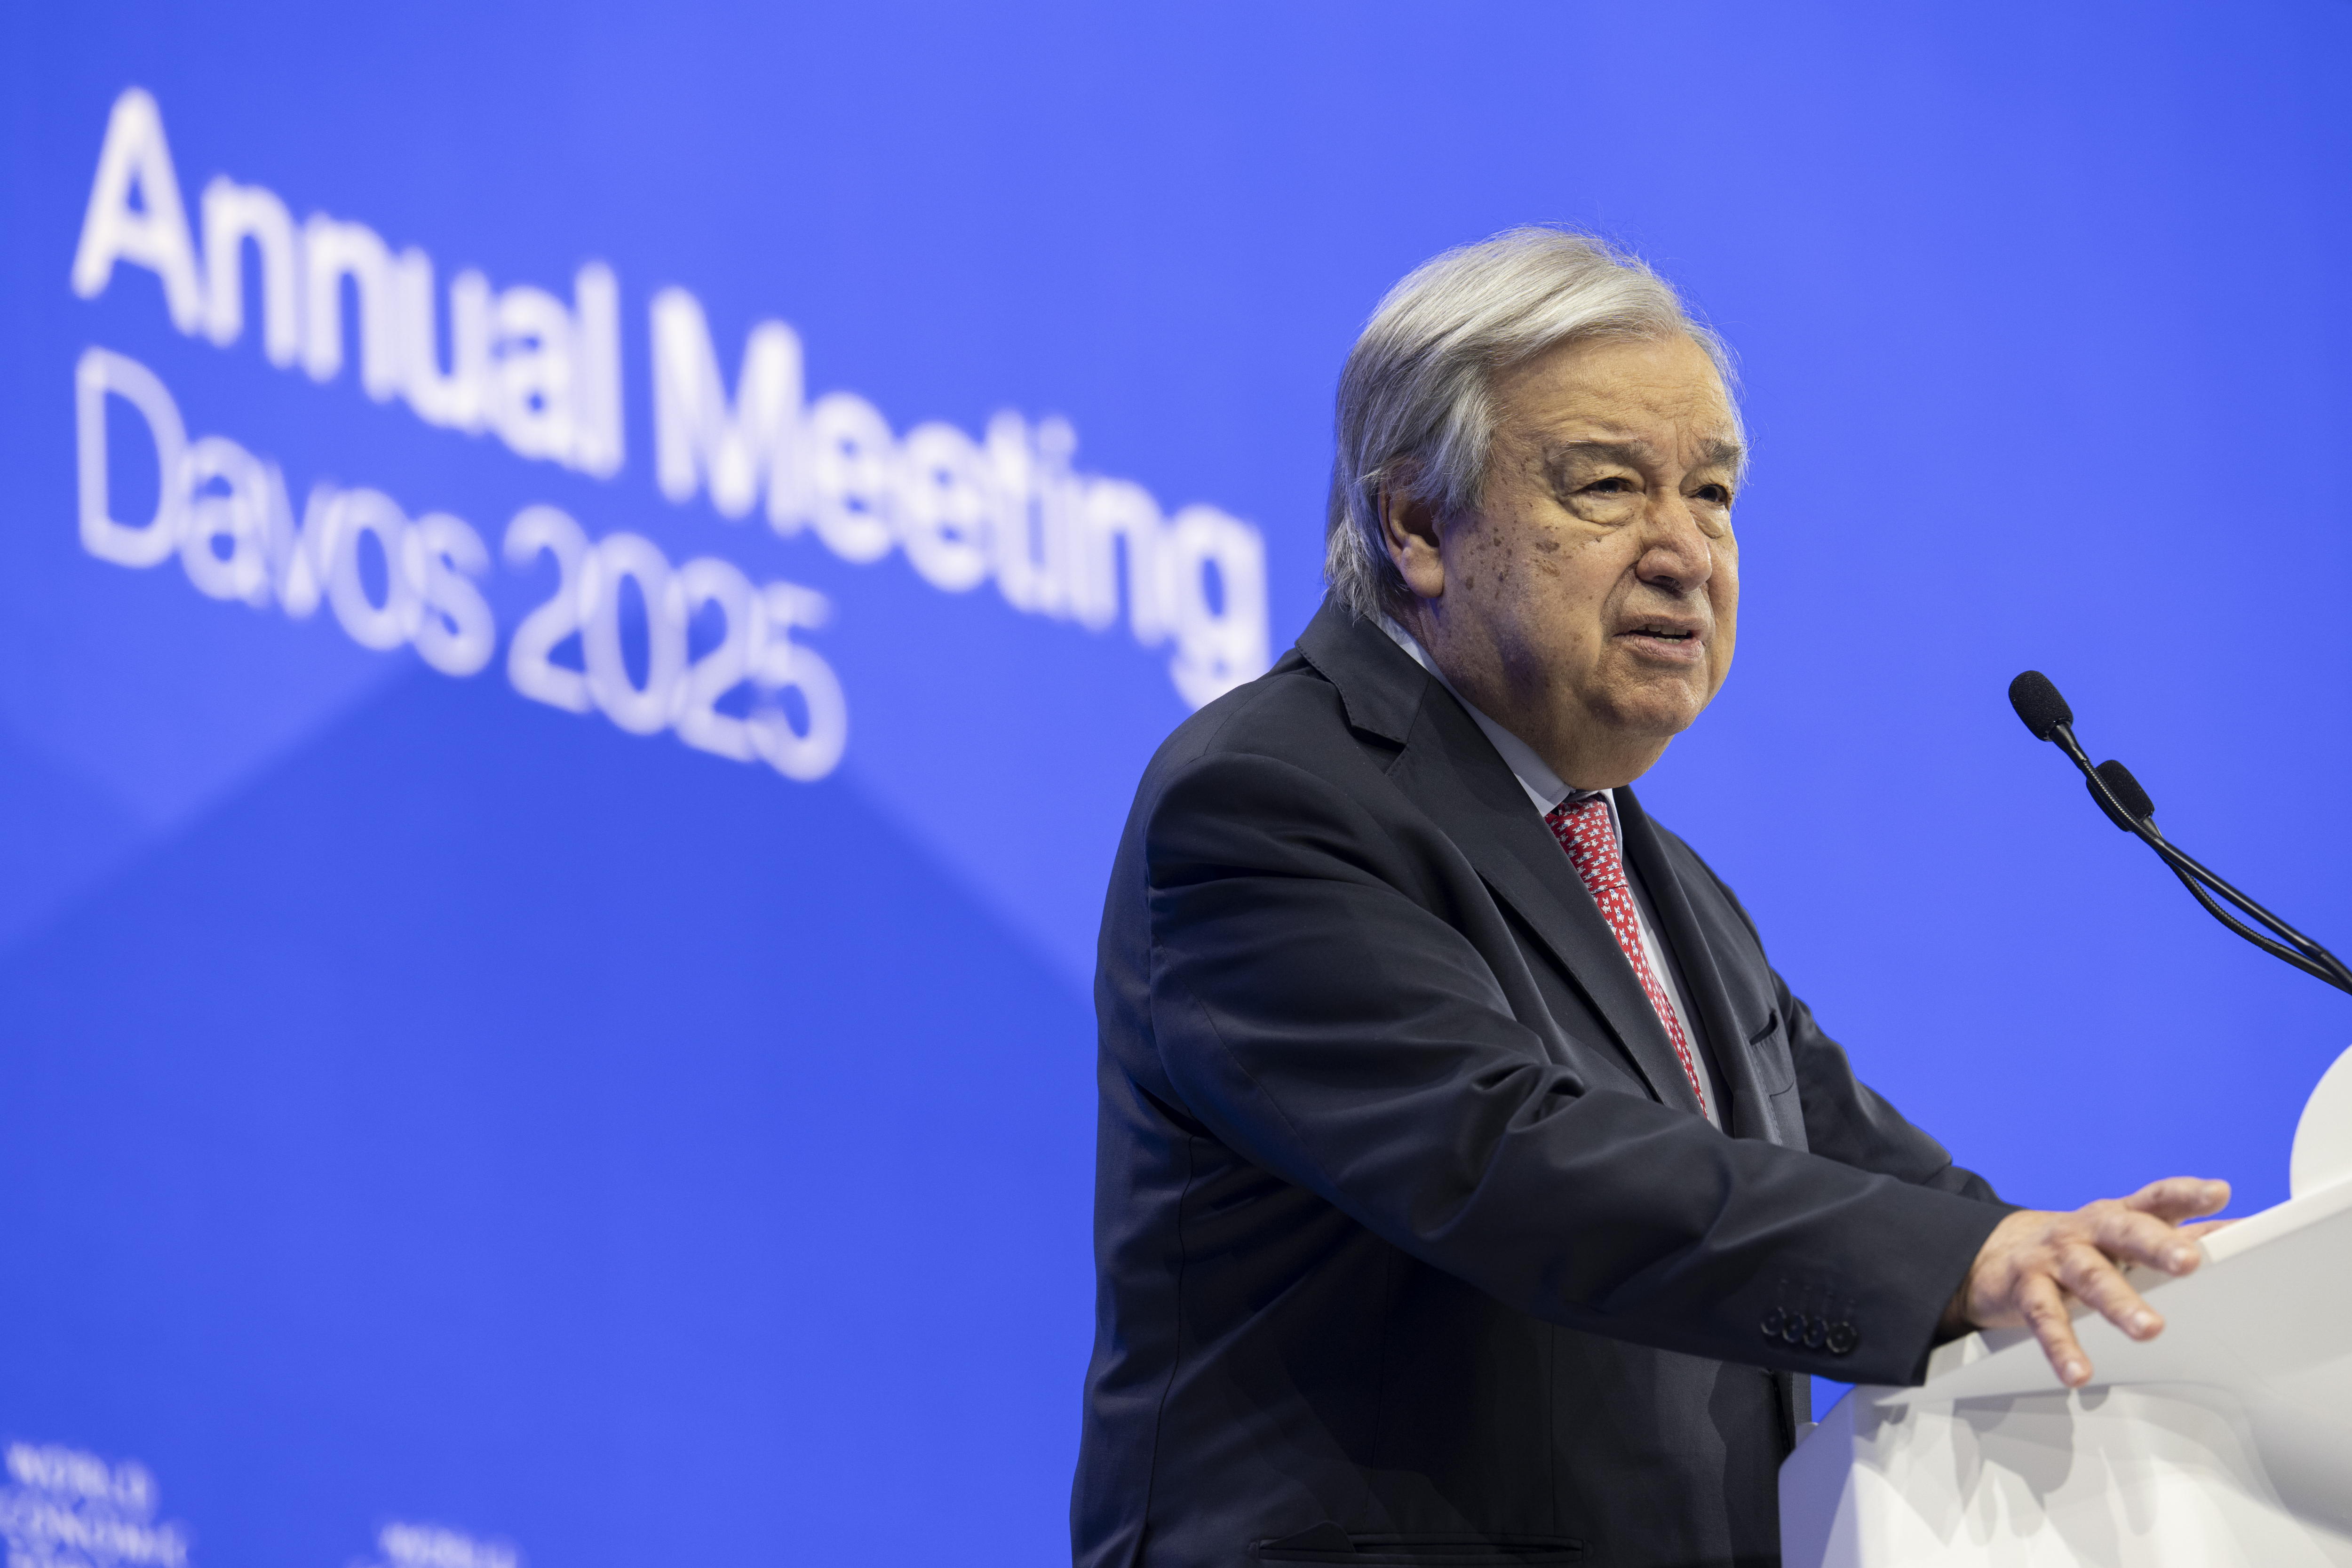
1715 495
1609 487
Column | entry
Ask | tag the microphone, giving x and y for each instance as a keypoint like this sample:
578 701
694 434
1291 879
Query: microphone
2123 790
2037 703
2127 806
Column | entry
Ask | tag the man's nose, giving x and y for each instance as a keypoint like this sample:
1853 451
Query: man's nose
1676 551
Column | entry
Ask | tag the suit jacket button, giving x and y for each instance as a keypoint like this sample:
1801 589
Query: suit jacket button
1793 1330
1772 1324
1816 1330
1842 1337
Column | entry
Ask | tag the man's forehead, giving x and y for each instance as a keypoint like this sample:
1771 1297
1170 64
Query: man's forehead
1663 395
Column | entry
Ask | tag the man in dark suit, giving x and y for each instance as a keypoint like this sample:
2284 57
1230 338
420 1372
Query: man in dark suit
1471 1190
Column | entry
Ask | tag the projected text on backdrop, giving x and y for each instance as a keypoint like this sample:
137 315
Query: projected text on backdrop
695 647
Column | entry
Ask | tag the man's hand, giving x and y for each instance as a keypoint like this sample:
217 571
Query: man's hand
2036 1259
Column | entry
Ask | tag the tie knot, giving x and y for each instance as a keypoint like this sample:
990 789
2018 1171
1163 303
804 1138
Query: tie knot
1585 830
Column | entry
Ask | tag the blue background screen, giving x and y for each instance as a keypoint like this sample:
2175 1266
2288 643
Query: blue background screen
583 589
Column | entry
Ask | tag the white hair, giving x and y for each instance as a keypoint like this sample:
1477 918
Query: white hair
1416 411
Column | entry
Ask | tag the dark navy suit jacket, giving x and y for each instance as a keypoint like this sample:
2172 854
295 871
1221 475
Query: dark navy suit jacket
1412 1246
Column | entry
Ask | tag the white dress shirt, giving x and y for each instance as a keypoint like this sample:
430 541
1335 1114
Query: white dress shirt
1546 789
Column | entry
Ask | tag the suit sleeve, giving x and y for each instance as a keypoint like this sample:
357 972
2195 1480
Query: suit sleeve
1315 1013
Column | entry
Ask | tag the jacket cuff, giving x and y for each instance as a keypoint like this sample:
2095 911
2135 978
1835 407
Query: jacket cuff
1915 1246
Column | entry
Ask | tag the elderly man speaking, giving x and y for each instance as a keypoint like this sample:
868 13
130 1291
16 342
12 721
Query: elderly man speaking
1471 1191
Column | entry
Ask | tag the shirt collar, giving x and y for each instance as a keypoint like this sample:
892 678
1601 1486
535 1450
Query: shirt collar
1545 788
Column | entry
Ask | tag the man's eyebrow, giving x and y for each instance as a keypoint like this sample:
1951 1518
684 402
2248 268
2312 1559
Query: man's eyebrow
1725 455
1633 453
1721 453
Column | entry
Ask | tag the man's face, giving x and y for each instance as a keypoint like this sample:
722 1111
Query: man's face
1589 602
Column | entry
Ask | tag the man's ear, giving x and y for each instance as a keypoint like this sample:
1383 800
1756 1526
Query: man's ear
1411 532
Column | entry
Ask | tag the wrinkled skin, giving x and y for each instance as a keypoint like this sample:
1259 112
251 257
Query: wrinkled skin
1589 602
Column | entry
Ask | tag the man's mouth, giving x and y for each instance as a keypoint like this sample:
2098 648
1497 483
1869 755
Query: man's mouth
1672 640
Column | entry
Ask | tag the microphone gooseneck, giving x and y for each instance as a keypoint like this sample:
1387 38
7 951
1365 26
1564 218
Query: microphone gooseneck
2127 806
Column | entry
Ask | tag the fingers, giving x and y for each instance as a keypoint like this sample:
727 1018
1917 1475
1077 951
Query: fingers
2086 1272
2205 1227
2177 1198
2133 1235
2036 1264
2044 1311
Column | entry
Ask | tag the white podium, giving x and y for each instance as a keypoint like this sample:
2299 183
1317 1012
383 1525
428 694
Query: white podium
2225 1440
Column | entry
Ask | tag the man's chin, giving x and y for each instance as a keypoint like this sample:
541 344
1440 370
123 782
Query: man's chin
1659 710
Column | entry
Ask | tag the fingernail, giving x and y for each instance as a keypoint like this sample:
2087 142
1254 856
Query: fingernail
2143 1322
2072 1373
2179 1259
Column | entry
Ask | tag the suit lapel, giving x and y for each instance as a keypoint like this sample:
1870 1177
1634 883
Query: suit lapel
1702 980
1451 772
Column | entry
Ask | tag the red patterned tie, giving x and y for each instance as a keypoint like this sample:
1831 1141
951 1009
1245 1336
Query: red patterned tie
1586 831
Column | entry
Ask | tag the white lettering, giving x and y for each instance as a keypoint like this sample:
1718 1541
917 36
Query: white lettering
1116 514
700 585
298 551
646 709
455 631
1028 530
331 251
97 375
850 457
943 507
530 666
596 446
1219 645
737 447
430 1546
803 740
532 357
545 375
393 581
154 234
225 531
235 214
353 519
809 750
453 400
67 1507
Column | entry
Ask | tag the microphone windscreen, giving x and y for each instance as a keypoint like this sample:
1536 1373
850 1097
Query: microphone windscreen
2127 791
2037 703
